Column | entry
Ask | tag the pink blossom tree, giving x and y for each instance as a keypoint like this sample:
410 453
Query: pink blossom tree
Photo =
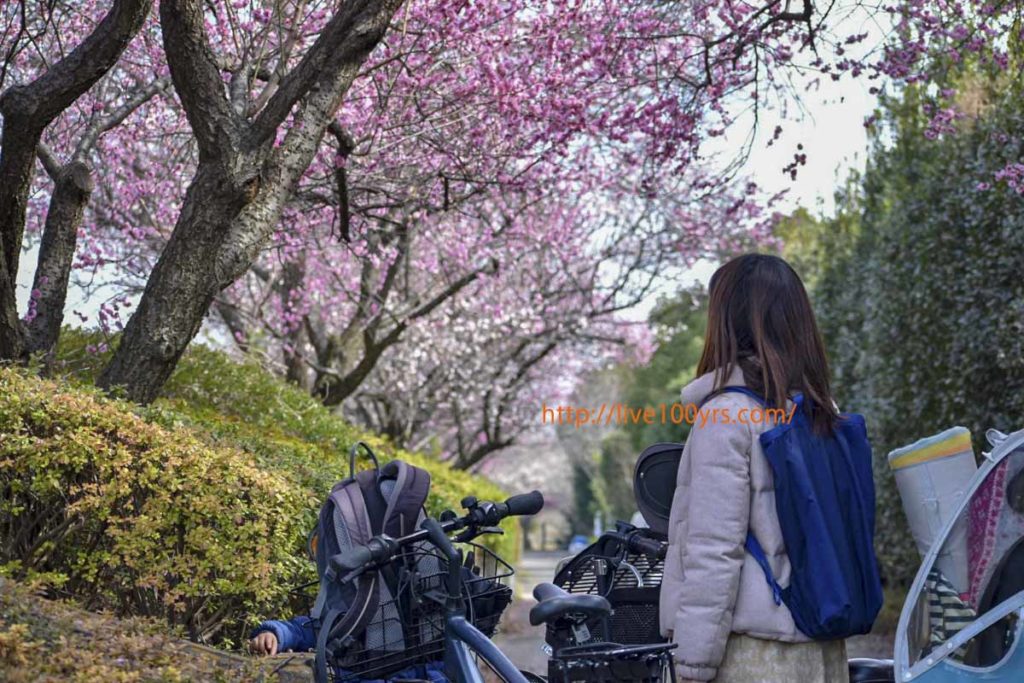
28 108
427 212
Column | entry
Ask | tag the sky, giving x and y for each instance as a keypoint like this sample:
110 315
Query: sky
831 130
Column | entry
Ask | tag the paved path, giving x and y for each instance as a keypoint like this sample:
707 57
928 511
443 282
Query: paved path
517 639
522 642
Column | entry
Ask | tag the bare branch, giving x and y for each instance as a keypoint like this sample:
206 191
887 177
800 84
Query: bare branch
346 39
64 82
27 111
117 117
49 160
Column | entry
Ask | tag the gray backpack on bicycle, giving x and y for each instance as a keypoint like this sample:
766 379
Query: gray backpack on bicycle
382 500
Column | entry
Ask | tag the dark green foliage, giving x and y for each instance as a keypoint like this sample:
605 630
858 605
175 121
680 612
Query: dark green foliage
615 468
606 485
585 503
919 289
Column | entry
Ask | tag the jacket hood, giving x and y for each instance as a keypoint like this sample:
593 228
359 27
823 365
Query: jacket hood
699 389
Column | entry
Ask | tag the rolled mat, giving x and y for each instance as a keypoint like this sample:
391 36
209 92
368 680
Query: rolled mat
932 476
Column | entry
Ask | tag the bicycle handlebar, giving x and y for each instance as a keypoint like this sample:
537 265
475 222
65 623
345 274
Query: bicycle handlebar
378 549
524 504
437 536
382 549
635 541
647 546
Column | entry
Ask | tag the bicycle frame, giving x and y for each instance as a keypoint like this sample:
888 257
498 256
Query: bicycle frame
462 640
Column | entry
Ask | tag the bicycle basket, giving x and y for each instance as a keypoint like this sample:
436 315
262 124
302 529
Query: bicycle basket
631 582
408 630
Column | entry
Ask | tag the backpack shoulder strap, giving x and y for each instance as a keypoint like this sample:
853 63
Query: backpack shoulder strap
405 504
346 502
753 546
353 621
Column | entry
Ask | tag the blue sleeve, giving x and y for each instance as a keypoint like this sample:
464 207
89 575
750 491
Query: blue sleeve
295 634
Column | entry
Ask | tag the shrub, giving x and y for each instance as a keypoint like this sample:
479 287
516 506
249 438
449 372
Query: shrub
130 516
46 641
282 427
918 289
194 509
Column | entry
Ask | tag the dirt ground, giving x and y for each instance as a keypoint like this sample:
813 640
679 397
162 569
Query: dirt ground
49 641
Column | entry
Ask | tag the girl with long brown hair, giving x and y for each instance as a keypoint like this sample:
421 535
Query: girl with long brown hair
762 335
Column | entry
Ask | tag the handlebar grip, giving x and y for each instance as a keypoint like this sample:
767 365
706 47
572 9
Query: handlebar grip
378 550
647 546
525 504
358 557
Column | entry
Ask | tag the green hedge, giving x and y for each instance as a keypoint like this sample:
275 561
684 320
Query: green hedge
917 283
194 509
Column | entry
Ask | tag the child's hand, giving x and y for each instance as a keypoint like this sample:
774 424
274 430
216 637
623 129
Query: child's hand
264 644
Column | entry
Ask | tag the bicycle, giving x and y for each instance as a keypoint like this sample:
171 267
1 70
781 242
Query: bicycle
439 607
436 608
602 617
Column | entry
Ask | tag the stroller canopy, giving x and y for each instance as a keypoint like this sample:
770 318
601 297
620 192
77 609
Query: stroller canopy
963 622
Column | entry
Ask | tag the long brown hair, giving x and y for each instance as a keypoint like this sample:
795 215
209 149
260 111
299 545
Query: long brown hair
760 320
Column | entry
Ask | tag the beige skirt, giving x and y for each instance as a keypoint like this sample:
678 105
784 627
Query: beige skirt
752 660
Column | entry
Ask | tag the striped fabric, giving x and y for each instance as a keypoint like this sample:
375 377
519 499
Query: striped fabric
948 614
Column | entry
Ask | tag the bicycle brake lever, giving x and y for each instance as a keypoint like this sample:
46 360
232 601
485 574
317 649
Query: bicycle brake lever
636 572
348 577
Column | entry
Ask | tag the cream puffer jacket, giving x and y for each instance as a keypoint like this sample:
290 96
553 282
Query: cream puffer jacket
724 487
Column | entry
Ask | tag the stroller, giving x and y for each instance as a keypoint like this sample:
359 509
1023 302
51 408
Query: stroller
964 615
946 633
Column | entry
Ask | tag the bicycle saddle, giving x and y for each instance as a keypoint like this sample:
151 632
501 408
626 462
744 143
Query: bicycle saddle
871 671
553 603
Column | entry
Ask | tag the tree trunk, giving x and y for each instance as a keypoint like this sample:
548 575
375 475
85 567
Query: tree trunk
10 326
178 293
296 369
243 181
70 196
16 162
27 111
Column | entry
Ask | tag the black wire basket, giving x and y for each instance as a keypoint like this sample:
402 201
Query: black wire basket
631 582
408 627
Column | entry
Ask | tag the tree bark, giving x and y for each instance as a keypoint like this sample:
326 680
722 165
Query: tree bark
294 363
27 110
242 182
74 185
179 290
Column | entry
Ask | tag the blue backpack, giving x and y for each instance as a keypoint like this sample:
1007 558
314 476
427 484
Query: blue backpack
825 499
